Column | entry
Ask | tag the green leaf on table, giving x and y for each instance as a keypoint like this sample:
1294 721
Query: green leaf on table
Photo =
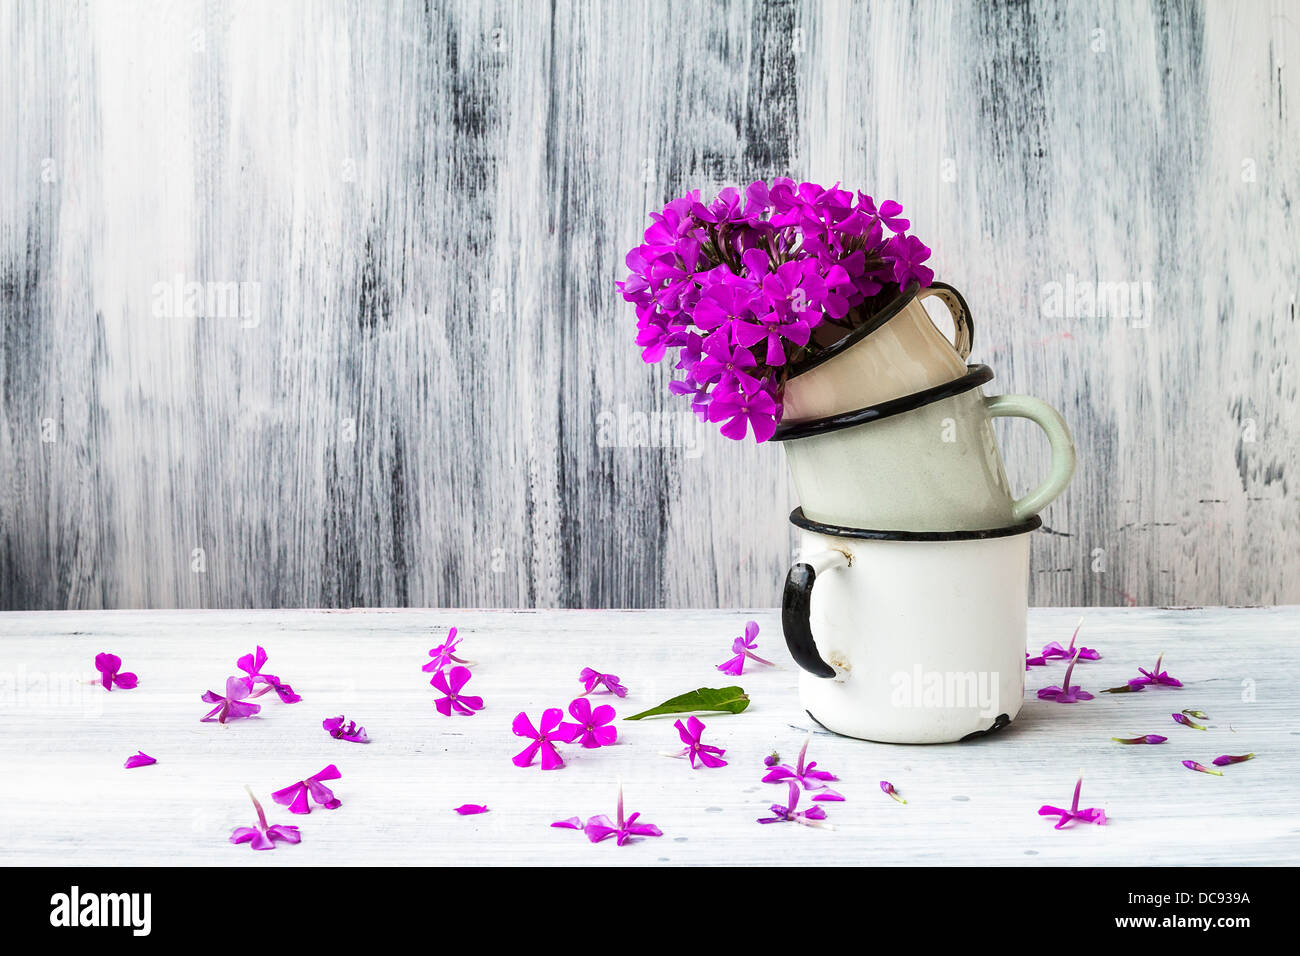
730 700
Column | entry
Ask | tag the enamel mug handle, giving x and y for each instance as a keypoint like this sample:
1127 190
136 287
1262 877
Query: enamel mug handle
963 327
1058 433
796 608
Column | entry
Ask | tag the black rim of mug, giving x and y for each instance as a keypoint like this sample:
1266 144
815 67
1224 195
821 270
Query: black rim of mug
800 520
975 376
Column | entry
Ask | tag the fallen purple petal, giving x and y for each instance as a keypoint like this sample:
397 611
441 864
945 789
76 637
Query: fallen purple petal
109 666
1090 815
469 809
690 733
295 795
264 835
1144 739
1225 759
1066 693
543 741
591 679
453 699
141 759
1193 765
1187 721
342 729
232 706
888 788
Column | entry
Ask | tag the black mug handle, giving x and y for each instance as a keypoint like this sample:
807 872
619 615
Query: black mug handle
796 606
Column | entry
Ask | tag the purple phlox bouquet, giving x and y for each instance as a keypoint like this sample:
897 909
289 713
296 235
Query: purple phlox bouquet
747 286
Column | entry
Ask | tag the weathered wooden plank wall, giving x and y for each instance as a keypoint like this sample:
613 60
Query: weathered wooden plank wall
422 388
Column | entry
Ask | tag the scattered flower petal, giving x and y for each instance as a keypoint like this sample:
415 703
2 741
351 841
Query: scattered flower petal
342 729
591 679
443 656
888 788
232 706
1038 661
743 647
690 733
252 665
464 704
542 739
1054 651
1198 714
573 823
1090 815
1144 739
469 809
1225 759
1187 721
109 666
806 775
590 729
812 817
263 836
602 827
1066 693
1193 765
295 795
142 759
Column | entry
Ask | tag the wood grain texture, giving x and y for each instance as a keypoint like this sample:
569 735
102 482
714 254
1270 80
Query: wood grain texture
439 402
67 799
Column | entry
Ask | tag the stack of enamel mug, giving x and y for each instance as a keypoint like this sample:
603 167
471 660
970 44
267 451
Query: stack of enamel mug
906 605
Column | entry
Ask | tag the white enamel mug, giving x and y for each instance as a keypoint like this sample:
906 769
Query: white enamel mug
909 637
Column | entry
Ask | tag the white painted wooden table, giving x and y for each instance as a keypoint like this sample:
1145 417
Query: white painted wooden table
67 800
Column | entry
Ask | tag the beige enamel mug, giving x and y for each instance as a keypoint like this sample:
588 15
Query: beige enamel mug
924 462
899 352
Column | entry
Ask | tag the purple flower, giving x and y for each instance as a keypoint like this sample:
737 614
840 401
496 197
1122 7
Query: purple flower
1090 815
812 817
887 788
1155 676
738 283
743 647
454 700
252 664
906 254
622 830
1054 650
690 733
806 775
108 666
1187 721
443 656
1193 765
142 759
592 679
341 729
1226 759
726 366
469 809
1144 739
542 739
757 410
591 727
1066 693
232 706
295 795
772 759
263 836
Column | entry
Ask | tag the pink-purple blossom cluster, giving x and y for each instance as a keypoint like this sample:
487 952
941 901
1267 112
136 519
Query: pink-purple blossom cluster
746 286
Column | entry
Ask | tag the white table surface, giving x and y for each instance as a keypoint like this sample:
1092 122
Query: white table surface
65 798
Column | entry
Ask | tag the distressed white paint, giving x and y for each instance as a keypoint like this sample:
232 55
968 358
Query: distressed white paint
435 199
68 800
